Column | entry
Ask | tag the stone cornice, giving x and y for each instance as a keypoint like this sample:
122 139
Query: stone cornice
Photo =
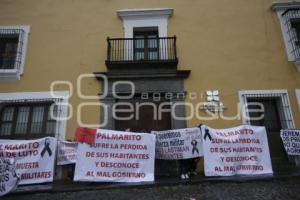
145 12
177 74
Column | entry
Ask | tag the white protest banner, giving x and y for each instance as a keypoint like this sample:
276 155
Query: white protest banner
8 177
116 157
241 150
34 158
66 152
291 141
178 144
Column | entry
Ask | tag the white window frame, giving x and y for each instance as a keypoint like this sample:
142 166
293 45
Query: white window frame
282 94
280 8
61 125
144 18
15 74
286 38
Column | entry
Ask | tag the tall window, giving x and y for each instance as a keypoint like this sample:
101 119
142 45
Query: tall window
146 44
27 120
271 120
276 115
13 43
289 18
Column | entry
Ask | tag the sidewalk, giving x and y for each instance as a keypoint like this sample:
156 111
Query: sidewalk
68 186
285 188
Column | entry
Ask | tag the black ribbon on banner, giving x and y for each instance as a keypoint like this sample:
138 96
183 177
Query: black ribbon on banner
207 134
46 148
194 144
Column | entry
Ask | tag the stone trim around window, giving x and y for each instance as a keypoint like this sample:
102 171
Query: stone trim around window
286 12
23 33
59 97
137 18
286 114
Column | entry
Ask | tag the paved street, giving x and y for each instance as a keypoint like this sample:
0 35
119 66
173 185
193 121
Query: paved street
264 189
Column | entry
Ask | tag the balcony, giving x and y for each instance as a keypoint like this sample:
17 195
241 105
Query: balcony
141 53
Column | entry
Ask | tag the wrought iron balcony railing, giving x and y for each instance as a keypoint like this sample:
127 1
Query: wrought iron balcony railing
122 51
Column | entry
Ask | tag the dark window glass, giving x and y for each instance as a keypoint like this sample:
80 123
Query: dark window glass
8 50
146 44
271 119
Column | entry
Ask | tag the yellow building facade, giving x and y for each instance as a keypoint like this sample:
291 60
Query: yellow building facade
225 54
